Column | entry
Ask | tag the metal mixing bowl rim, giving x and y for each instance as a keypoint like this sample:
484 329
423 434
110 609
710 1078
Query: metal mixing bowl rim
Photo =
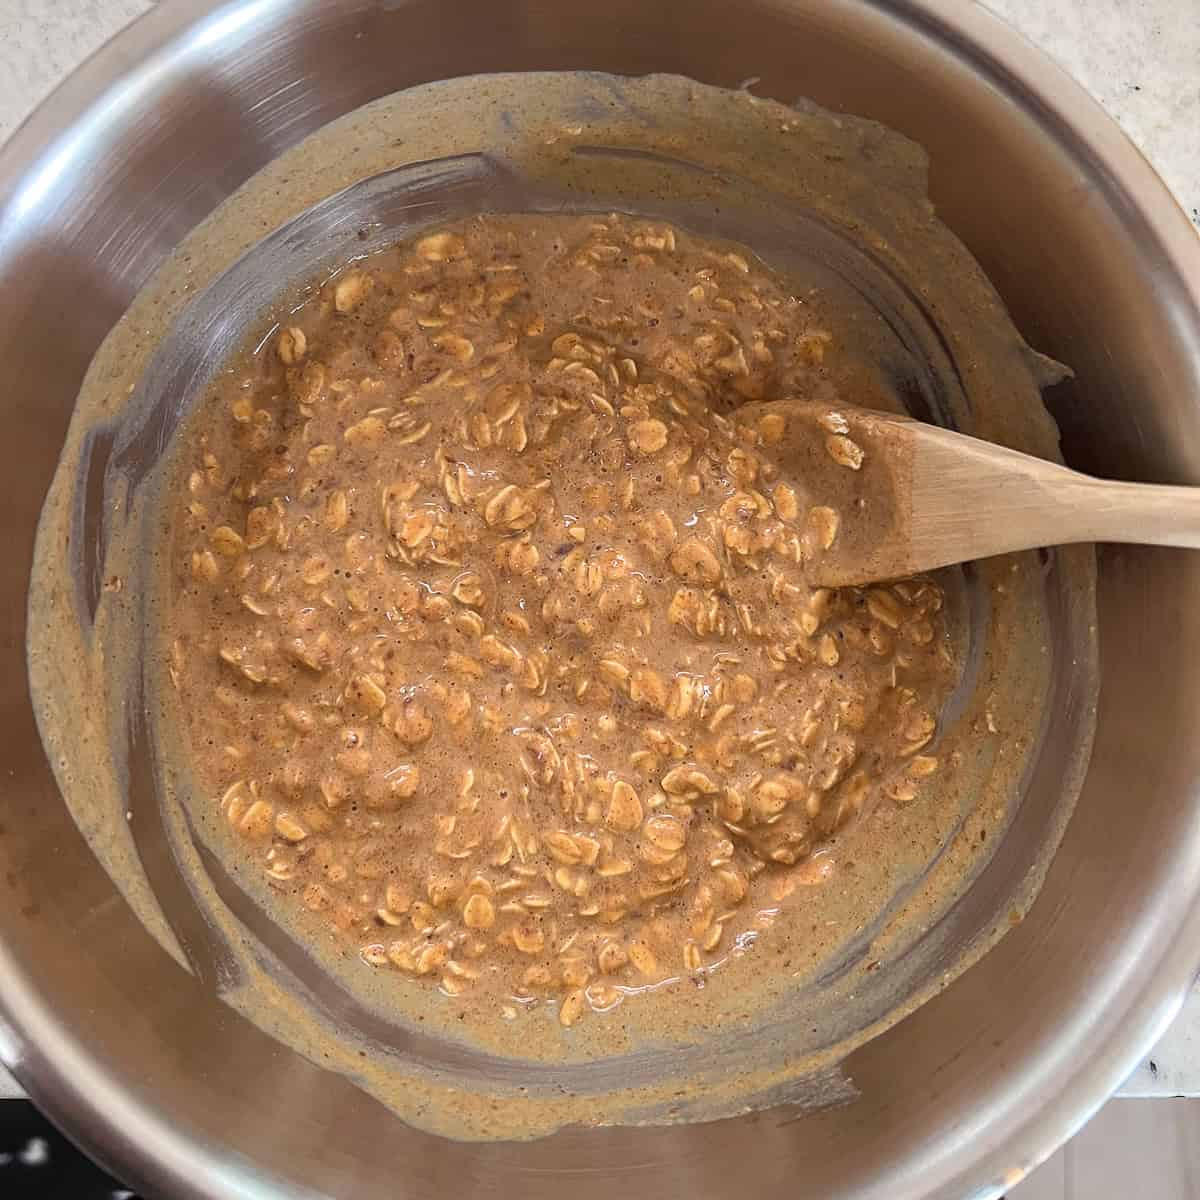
59 1072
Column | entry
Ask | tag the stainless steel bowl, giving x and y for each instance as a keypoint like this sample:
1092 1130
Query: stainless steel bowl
138 1059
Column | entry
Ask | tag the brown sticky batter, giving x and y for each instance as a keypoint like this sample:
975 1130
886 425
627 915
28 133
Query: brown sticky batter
838 206
518 681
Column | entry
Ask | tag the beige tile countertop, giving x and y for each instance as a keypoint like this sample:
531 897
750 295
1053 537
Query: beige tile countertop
1139 58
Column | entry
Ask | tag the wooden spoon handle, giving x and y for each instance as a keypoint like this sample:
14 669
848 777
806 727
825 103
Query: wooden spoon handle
968 494
1151 514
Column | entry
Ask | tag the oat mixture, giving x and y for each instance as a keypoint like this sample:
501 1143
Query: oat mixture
489 620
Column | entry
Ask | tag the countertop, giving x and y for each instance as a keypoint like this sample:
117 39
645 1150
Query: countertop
1139 58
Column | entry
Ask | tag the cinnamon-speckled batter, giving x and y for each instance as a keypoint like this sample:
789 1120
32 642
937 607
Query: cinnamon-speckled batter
490 616
879 305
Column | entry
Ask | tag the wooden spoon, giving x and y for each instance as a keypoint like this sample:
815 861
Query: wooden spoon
882 496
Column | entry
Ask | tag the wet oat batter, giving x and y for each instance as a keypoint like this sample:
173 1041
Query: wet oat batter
500 595
876 922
